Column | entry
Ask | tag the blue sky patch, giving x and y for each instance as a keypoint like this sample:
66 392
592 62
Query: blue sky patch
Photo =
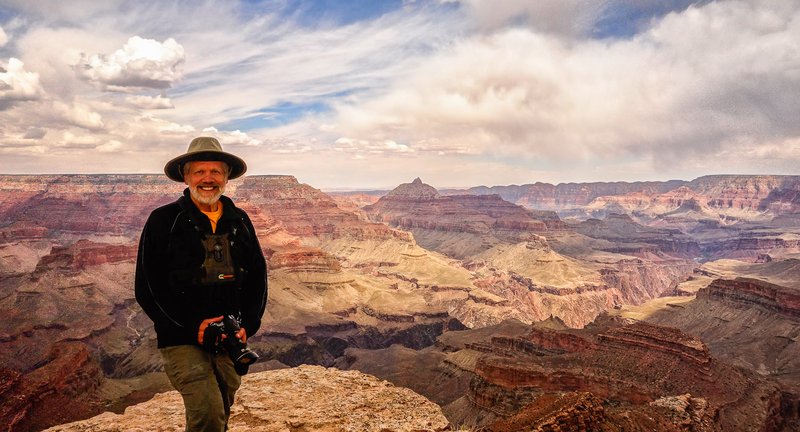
276 115
625 19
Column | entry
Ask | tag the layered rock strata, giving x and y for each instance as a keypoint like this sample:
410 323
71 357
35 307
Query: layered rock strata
632 238
755 293
609 376
461 225
722 192
750 320
630 364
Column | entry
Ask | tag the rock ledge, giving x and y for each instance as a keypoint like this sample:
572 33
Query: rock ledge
305 398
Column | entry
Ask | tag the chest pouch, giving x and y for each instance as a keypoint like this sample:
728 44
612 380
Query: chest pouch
218 266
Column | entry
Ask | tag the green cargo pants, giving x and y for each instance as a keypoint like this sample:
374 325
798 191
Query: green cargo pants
207 382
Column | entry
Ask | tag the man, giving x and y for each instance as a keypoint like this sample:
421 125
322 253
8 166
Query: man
199 260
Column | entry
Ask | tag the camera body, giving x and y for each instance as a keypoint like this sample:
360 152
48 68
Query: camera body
236 349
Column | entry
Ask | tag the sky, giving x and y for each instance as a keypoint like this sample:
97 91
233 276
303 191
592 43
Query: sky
368 94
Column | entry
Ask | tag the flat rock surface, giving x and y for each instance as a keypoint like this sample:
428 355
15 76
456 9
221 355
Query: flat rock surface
305 398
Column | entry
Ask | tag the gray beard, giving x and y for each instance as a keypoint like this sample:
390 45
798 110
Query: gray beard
204 200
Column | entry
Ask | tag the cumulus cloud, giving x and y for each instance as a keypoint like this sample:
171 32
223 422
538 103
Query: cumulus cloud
150 102
698 81
78 114
17 84
139 63
236 137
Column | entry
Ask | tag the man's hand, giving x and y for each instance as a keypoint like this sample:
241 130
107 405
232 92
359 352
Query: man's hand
242 335
203 326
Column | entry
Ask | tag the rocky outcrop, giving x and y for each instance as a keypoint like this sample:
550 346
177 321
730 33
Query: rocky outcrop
306 398
307 212
749 293
631 365
565 195
418 206
750 245
416 190
85 253
56 391
609 376
632 238
572 411
746 313
740 192
107 204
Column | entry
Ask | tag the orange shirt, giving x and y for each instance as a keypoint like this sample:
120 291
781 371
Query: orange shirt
214 217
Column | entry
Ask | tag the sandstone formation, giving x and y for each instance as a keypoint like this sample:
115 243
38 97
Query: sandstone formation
721 192
529 259
306 398
748 314
629 237
459 226
610 376
565 195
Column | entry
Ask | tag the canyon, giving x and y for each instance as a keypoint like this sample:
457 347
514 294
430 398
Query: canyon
506 306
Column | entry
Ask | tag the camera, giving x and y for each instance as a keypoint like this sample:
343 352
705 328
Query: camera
237 350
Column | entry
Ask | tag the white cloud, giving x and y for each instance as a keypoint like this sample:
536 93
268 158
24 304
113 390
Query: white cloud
697 82
139 63
17 84
3 37
72 140
174 128
150 102
79 114
236 138
110 146
360 146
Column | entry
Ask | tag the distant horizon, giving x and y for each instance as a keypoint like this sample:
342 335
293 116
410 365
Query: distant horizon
391 187
357 94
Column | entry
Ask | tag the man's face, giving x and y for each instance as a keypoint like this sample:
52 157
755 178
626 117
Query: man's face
206 180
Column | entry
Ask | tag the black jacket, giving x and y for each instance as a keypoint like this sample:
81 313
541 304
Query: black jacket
170 258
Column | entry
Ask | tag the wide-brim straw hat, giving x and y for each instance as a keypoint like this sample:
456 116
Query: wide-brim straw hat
204 149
